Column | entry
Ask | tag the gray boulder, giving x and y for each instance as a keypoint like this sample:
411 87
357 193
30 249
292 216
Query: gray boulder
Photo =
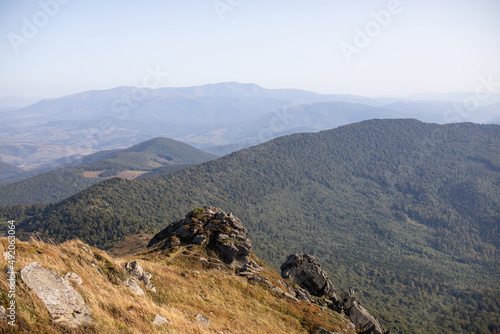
65 305
134 287
136 271
361 318
308 274
160 321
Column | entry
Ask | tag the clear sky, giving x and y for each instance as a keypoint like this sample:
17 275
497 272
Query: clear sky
51 48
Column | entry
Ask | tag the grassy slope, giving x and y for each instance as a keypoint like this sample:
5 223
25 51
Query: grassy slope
233 304
405 212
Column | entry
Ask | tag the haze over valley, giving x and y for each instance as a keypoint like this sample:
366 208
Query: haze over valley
233 166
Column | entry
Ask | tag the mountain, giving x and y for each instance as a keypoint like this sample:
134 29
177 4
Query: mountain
9 172
404 211
159 156
222 114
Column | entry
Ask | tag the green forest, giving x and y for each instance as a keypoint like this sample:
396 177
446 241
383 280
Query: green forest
157 156
404 212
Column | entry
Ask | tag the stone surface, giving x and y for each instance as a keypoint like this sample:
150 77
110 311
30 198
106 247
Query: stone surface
160 321
222 232
202 320
308 274
134 287
65 305
73 277
362 319
199 239
136 271
303 294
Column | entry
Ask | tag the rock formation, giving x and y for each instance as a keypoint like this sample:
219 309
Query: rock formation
135 270
220 231
361 318
64 303
307 273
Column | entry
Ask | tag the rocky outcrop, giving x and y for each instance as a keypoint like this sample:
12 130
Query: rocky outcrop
135 270
361 318
308 274
306 271
209 226
64 303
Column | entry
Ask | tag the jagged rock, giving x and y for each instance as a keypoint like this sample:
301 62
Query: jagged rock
361 318
160 321
202 320
260 280
134 287
137 272
199 239
64 303
306 271
220 231
73 277
252 267
303 294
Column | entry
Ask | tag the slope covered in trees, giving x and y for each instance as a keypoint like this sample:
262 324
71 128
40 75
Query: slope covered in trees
159 156
406 212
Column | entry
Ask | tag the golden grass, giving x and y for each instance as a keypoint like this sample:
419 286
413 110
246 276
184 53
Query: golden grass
232 303
92 173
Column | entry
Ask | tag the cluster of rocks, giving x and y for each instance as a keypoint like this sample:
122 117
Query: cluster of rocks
363 320
308 274
137 274
224 234
65 305
220 231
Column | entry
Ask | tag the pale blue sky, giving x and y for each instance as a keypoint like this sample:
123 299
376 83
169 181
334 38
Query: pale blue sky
429 46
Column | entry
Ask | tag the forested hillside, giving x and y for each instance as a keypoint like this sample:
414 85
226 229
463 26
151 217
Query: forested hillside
406 212
159 156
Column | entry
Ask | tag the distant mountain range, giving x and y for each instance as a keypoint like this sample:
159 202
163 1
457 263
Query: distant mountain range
219 118
155 157
404 211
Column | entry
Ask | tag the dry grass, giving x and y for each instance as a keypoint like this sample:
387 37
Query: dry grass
233 304
92 173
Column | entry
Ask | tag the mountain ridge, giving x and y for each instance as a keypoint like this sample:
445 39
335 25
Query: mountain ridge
159 155
383 198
